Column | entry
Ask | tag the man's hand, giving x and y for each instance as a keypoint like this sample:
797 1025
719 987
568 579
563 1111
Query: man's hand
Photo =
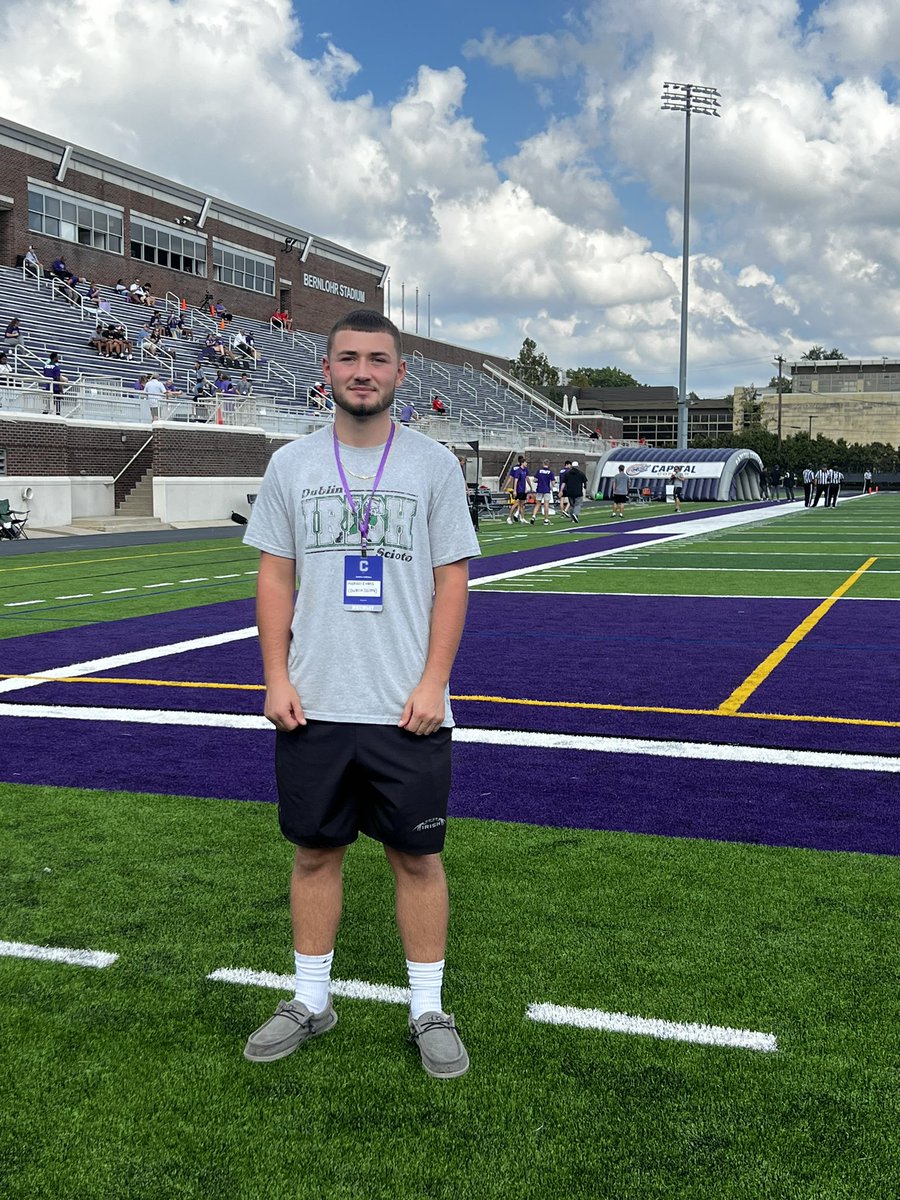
283 707
424 710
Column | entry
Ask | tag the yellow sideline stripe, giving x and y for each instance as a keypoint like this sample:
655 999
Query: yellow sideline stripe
512 700
745 690
174 683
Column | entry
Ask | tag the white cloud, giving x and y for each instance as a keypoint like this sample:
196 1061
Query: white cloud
576 235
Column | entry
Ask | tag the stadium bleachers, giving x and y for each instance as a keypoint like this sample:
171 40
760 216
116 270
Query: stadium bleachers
288 367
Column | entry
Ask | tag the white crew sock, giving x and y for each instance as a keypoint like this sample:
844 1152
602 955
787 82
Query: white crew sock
313 976
425 981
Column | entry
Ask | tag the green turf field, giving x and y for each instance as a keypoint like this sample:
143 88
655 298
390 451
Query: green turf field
128 1083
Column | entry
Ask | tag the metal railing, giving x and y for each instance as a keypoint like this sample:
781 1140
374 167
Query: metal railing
280 372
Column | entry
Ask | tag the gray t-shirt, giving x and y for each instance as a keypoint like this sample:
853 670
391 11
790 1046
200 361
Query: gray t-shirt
620 484
361 667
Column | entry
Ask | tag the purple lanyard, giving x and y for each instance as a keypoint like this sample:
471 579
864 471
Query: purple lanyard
364 522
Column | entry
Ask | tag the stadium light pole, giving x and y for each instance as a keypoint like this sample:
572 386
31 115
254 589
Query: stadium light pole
687 98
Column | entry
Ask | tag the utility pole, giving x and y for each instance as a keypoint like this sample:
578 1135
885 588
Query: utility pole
687 98
780 361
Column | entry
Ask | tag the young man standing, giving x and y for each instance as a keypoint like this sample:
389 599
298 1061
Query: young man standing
543 492
372 519
563 498
576 482
518 478
619 491
677 481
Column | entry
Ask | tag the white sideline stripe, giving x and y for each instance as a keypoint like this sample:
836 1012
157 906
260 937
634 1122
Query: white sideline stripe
716 752
133 656
116 591
199 579
515 590
352 989
704 1035
21 603
58 954
696 528
77 596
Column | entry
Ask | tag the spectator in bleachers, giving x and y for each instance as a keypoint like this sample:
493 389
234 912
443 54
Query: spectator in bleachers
155 389
120 288
56 381
172 388
155 344
223 382
408 414
138 294
32 263
244 385
243 344
284 318
139 386
13 334
438 407
59 268
119 345
100 340
93 295
220 312
5 368
318 395
225 355
68 289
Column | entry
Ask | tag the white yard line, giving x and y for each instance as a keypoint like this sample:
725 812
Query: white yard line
709 751
132 656
353 989
613 1022
57 954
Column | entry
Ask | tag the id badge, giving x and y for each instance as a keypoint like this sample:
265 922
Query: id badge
363 583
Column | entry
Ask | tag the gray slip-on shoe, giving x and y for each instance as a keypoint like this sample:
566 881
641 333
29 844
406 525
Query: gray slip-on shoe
443 1054
291 1026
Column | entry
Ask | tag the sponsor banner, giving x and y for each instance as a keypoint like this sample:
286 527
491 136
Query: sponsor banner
333 288
662 470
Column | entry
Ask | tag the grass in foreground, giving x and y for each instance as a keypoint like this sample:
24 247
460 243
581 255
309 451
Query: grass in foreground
129 1082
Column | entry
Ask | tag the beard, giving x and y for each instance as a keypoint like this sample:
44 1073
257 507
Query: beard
358 407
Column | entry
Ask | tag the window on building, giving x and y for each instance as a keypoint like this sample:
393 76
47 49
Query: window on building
74 219
2 461
244 270
166 248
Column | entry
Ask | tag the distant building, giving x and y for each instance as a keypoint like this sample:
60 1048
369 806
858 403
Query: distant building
651 413
854 399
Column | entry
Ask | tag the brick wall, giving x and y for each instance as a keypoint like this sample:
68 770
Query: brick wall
313 309
200 450
34 447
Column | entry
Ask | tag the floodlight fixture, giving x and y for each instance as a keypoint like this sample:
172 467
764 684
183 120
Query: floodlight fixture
687 98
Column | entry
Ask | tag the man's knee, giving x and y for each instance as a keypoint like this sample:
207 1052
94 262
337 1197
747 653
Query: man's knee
426 867
308 861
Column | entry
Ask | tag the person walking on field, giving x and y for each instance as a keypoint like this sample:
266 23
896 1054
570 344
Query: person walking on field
543 491
677 481
808 478
576 482
518 479
787 482
371 519
563 498
619 491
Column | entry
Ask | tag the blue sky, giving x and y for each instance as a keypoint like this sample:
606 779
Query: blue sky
513 160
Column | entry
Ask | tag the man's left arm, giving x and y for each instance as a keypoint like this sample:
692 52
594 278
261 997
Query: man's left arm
424 710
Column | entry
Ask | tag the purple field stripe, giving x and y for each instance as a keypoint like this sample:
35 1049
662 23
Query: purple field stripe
847 665
806 735
687 652
36 652
779 806
480 568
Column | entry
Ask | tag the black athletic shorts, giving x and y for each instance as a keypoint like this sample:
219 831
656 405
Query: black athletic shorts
336 780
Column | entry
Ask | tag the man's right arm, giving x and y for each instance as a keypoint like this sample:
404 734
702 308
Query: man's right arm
274 613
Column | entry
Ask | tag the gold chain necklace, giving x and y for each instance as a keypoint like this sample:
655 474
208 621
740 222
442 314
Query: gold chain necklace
363 477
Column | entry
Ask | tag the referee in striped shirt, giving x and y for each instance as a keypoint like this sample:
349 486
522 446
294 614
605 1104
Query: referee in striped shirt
822 478
807 487
832 490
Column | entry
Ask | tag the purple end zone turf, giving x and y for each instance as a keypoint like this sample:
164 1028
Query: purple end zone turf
779 806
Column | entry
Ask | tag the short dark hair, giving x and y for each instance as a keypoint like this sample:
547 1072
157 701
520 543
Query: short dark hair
365 320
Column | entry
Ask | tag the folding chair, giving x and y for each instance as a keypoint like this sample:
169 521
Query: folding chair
12 523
